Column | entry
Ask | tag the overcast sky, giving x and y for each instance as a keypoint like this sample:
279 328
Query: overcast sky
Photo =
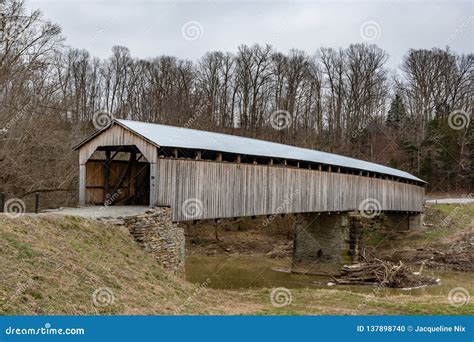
188 29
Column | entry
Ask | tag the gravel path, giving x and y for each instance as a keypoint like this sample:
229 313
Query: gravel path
100 211
460 200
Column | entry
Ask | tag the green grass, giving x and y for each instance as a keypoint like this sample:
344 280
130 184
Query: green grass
24 250
444 223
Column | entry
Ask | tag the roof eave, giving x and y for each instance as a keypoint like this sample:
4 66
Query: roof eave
96 133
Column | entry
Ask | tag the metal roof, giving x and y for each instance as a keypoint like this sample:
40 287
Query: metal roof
171 136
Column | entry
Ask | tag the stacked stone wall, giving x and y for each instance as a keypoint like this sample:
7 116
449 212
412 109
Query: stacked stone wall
158 235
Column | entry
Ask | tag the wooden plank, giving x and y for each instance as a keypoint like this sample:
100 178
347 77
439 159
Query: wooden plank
118 136
82 184
235 190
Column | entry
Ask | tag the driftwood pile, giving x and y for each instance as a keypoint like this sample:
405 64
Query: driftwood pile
383 273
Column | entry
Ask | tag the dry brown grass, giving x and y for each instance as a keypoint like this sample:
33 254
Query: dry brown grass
52 265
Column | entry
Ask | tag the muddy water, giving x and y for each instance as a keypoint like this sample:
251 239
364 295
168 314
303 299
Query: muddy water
239 272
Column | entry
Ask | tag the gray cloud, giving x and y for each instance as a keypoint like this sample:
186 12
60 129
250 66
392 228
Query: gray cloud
151 28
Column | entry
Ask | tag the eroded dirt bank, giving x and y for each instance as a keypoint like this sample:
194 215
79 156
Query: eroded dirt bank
259 237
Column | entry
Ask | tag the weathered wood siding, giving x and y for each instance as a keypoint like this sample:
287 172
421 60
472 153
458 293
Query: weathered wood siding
118 136
235 190
115 136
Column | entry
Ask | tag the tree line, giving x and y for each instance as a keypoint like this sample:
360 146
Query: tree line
346 100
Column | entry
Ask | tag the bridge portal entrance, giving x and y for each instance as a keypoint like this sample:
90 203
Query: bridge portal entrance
117 175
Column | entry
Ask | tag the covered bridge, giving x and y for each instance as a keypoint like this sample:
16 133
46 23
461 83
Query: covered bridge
205 175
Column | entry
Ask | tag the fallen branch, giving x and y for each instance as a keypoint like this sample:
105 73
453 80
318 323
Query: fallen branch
385 273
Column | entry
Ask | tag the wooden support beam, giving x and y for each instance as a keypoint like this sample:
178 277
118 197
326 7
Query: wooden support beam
198 155
133 177
175 152
82 184
114 155
285 162
238 158
270 161
128 171
219 156
106 170
320 167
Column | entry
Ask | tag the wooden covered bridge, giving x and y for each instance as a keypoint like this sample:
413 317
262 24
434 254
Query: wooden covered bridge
205 175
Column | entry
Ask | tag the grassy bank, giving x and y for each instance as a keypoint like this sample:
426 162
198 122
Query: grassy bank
445 241
54 265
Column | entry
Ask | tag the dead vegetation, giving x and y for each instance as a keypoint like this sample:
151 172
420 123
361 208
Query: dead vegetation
446 240
383 273
459 256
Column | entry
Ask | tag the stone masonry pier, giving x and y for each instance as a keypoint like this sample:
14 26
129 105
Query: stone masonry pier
324 241
158 235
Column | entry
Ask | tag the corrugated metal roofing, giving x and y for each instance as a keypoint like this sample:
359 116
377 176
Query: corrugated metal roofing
170 136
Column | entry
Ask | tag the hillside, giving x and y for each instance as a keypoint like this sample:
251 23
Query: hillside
53 265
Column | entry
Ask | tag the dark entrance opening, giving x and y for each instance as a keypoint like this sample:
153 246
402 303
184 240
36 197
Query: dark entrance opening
117 175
